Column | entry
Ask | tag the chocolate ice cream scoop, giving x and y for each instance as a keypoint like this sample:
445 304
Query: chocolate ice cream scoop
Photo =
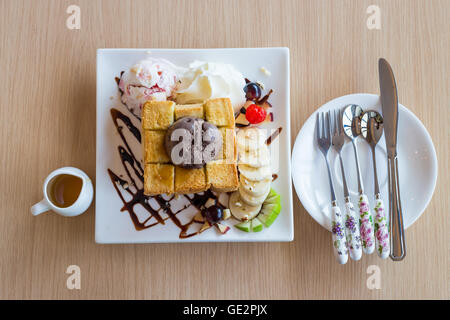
192 142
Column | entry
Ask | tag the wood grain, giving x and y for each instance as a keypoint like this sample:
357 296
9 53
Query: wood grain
48 121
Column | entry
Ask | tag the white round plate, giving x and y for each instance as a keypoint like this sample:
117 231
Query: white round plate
416 156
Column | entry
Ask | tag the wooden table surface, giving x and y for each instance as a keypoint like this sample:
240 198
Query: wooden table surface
48 121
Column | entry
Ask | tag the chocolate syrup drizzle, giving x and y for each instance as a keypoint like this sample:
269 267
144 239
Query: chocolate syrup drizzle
136 193
273 136
269 140
130 186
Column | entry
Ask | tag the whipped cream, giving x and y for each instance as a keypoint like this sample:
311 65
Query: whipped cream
209 80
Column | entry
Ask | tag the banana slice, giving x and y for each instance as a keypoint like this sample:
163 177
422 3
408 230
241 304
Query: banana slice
251 200
240 210
254 188
256 174
256 158
250 138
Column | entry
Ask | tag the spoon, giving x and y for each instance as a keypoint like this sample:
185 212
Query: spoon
351 221
351 122
372 130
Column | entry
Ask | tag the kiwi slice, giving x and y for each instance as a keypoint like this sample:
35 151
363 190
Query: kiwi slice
256 225
244 226
270 209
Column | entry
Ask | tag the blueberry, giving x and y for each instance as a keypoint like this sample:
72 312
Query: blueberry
213 214
252 91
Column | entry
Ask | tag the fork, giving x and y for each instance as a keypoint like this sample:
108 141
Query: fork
351 220
337 231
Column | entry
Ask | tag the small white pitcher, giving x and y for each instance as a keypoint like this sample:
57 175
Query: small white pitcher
78 207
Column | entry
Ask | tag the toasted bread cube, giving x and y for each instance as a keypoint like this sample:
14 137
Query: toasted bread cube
158 179
222 176
219 112
189 110
190 180
228 150
154 149
157 115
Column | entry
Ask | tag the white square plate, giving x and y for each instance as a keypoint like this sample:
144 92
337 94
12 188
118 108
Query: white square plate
115 226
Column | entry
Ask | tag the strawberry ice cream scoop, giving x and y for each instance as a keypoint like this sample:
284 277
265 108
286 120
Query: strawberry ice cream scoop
149 79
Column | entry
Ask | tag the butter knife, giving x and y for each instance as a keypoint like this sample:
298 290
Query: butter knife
389 103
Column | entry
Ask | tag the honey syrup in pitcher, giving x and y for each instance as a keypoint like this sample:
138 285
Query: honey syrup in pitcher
63 190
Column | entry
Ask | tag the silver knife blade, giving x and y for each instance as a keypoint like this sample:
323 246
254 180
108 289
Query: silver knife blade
389 104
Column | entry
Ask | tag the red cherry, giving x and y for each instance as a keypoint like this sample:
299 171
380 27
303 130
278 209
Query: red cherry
255 114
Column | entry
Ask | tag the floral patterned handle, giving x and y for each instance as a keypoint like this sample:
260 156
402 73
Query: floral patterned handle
381 230
352 232
366 225
338 235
